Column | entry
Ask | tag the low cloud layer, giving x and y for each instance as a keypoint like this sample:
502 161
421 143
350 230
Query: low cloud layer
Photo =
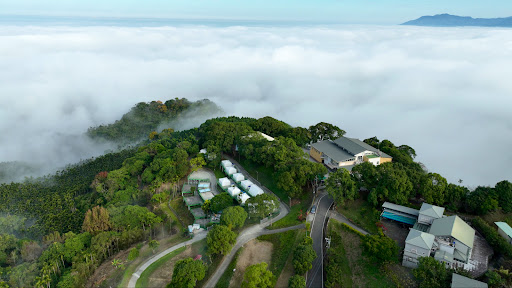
444 91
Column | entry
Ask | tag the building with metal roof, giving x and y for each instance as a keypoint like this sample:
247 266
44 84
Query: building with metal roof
459 281
428 213
417 244
345 151
505 231
453 234
399 213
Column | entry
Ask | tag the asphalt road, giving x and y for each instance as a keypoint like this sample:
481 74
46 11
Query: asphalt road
315 275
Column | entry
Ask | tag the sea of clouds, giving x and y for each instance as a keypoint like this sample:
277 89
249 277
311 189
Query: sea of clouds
444 91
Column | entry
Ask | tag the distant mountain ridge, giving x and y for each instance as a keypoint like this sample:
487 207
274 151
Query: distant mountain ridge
447 20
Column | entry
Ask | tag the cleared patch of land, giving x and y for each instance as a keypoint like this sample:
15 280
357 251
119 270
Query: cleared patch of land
255 251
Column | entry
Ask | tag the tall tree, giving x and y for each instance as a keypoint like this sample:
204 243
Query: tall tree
433 188
325 131
431 273
341 186
233 217
297 281
96 219
220 240
504 191
303 257
257 276
186 273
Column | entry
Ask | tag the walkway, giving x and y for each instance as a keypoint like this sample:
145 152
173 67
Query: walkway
337 216
136 275
244 237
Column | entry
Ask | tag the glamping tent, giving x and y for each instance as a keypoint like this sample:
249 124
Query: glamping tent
238 177
230 170
246 184
234 191
243 198
226 163
224 182
255 191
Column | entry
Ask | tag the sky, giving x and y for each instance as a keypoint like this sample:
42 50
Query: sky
443 91
341 11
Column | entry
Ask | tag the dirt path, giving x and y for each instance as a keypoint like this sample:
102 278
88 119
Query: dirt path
162 276
286 274
254 252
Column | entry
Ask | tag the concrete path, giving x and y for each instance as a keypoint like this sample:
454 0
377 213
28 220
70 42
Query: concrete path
241 241
136 275
245 236
337 216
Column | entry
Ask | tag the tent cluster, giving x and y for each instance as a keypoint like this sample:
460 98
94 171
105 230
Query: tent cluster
236 184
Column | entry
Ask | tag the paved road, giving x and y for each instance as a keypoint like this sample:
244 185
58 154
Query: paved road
136 275
315 275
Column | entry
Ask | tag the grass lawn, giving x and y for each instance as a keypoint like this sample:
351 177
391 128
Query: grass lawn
284 243
347 266
144 277
183 213
361 213
228 274
218 174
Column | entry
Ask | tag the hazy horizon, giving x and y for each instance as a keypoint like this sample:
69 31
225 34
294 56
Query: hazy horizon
443 91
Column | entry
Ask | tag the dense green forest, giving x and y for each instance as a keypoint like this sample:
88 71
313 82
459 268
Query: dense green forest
56 230
144 118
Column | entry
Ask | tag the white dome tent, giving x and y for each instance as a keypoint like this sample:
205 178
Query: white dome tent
238 177
234 191
255 191
246 184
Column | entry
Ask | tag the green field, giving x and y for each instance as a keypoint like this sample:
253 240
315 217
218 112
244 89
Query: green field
361 213
228 274
144 277
283 244
347 266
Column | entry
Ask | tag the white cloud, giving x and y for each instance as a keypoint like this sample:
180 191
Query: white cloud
443 91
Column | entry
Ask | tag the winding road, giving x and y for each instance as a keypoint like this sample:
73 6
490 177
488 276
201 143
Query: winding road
245 236
315 276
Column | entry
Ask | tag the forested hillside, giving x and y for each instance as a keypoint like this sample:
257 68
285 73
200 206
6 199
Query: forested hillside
144 118
56 230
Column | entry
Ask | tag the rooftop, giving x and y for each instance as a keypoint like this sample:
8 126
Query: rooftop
330 149
420 239
505 227
355 146
455 227
431 210
400 208
459 281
